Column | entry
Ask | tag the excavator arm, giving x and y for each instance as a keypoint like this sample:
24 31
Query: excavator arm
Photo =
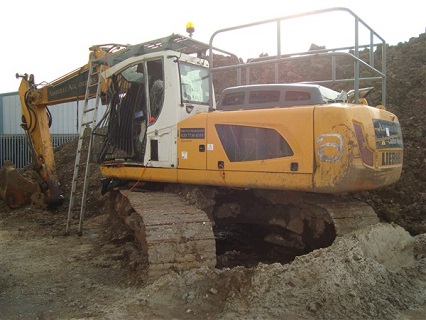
36 121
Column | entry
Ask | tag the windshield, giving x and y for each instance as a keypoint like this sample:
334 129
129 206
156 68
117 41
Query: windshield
194 83
329 95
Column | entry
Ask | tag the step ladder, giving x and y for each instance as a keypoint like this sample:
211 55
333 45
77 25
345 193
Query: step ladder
88 122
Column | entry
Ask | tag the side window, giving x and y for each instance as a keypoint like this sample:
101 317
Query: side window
297 96
232 99
264 96
155 88
243 143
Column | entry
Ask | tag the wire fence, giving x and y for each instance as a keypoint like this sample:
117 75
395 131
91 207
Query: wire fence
14 147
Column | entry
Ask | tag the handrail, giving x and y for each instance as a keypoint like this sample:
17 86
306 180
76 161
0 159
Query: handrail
278 57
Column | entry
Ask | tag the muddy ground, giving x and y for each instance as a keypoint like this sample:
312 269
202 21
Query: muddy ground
375 273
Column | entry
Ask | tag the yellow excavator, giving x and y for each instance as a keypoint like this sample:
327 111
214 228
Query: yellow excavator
275 155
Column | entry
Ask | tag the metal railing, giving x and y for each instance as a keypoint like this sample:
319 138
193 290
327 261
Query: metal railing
14 147
277 57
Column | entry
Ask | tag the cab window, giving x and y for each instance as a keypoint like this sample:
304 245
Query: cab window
155 88
194 84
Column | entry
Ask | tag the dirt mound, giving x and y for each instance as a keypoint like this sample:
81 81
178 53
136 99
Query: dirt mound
359 276
405 201
65 161
374 273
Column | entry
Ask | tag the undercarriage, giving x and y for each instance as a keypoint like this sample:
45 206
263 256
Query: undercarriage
183 227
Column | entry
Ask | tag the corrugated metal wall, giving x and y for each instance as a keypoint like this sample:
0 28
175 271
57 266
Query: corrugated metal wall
10 113
66 118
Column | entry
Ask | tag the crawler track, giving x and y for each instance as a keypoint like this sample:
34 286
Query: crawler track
174 235
347 215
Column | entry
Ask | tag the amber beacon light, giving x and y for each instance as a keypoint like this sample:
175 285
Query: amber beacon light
190 28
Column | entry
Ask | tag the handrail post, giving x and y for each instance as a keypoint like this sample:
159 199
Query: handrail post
356 63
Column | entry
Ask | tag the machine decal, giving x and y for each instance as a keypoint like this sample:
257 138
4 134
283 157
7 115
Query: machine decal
184 155
330 147
391 158
388 134
192 133
210 147
74 86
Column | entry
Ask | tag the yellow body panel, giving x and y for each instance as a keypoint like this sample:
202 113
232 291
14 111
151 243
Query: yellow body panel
326 156
349 172
191 138
294 124
220 178
139 173
199 150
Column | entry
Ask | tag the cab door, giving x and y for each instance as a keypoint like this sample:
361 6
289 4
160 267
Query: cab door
161 131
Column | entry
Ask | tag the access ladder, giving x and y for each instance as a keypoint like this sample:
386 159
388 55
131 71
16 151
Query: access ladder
88 122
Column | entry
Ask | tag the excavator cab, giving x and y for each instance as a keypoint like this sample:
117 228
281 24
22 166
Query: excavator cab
149 95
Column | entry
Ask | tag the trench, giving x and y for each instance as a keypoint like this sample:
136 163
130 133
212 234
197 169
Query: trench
244 245
250 230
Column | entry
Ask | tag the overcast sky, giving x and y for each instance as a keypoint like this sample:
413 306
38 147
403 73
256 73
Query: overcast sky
50 38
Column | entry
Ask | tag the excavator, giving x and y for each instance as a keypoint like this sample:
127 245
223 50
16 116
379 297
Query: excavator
275 155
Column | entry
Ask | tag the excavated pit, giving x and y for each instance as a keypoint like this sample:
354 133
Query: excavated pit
180 228
250 229
245 245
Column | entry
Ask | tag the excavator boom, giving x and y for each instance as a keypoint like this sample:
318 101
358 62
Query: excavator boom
36 121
